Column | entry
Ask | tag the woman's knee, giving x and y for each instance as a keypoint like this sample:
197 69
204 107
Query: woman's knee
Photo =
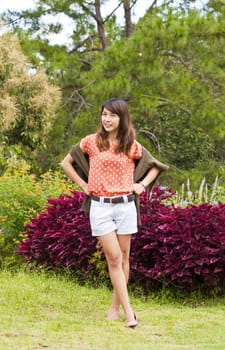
124 242
125 254
115 259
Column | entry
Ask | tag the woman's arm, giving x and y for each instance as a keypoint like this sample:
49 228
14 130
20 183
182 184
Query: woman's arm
67 165
149 178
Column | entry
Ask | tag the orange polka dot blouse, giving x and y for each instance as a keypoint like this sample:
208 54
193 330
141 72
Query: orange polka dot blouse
110 174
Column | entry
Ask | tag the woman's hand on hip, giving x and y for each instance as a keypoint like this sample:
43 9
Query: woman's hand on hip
84 187
138 188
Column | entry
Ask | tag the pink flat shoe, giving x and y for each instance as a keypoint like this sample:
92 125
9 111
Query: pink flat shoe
132 324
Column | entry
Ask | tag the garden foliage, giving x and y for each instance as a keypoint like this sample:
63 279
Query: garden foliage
22 196
180 246
28 101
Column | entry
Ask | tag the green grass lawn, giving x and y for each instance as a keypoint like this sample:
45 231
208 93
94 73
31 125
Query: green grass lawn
42 311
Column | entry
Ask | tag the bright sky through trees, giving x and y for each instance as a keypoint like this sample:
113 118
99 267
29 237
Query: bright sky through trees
15 5
138 11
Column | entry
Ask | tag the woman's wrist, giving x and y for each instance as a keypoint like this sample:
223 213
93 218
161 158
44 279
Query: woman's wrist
143 184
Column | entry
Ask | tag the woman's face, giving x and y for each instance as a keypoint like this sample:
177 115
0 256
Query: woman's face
110 121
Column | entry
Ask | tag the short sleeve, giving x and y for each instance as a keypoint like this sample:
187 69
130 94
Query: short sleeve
87 144
136 150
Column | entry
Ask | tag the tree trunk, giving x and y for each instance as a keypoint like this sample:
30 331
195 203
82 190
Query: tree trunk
100 24
127 14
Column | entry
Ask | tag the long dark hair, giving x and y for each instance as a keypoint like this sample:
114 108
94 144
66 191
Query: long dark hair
126 132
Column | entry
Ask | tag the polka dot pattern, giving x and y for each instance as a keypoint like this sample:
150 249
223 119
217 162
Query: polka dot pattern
110 174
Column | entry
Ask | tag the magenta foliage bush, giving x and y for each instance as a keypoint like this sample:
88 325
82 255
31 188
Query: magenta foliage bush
180 246
60 236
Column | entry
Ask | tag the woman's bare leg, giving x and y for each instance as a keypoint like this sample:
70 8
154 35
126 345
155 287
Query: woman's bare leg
124 243
113 253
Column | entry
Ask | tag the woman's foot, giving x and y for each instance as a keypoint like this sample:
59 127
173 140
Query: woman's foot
113 314
131 323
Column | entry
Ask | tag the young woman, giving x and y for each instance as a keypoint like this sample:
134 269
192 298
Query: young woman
112 153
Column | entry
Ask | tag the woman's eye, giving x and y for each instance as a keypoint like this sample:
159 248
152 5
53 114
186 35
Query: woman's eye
109 115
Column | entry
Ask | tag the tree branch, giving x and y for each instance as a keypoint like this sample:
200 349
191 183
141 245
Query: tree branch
107 18
152 137
165 102
81 43
76 97
180 59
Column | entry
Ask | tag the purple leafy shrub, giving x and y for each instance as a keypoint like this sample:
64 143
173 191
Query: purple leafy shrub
60 236
179 246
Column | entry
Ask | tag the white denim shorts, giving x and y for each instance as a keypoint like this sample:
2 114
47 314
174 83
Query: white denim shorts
106 218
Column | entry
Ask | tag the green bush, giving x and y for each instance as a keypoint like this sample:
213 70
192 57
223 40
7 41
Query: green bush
181 143
23 196
211 170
